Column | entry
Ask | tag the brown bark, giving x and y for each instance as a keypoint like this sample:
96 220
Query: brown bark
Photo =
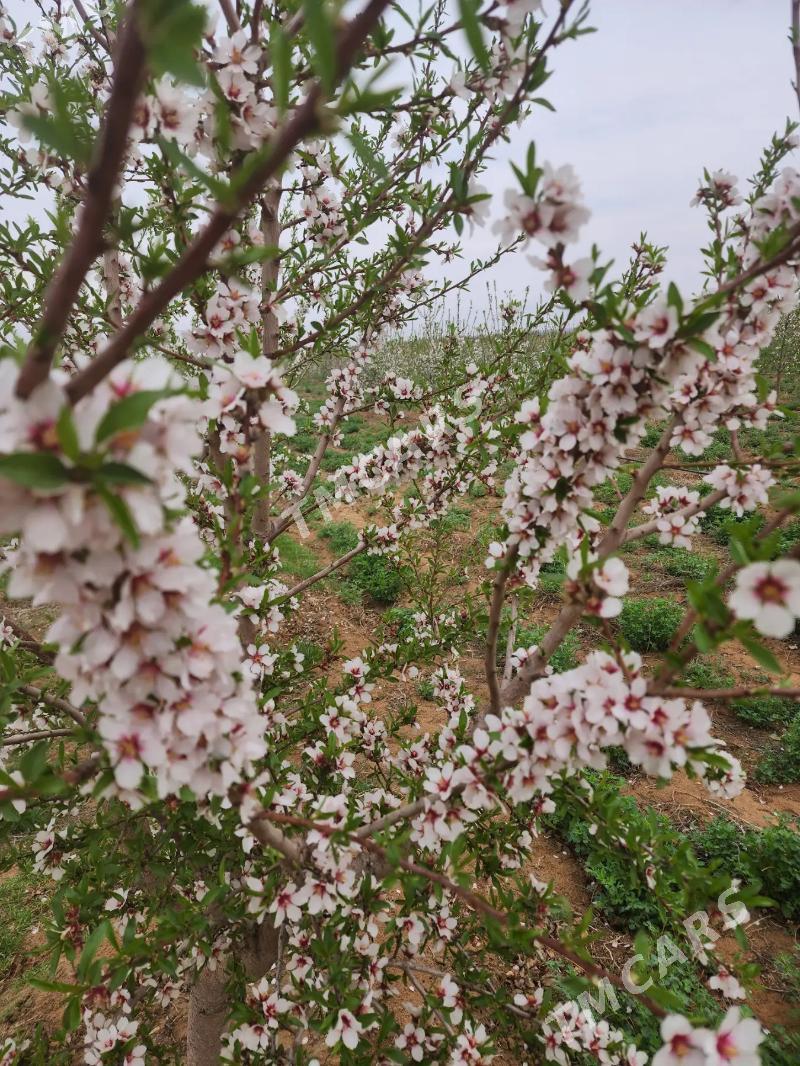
129 73
271 231
304 120
209 1000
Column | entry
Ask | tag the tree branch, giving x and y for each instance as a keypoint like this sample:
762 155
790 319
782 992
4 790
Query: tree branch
55 702
129 70
192 263
693 509
37 734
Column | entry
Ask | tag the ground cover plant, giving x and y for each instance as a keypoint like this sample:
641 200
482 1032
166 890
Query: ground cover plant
322 635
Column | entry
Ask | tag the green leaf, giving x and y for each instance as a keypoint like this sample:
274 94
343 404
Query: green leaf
236 261
72 1014
120 474
179 158
322 37
763 656
34 761
357 103
371 160
92 944
35 470
121 514
68 434
53 986
128 413
172 33
468 10
281 57
59 134
674 297
704 348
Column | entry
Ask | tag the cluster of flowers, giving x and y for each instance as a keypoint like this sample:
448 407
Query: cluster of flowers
10 1049
720 191
108 1027
323 214
437 445
344 391
247 398
599 410
139 631
48 853
667 507
735 1042
744 489
568 1029
257 1036
186 115
553 216
52 172
724 390
566 723
233 307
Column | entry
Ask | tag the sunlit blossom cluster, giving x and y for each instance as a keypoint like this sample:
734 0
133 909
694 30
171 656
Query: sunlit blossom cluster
139 631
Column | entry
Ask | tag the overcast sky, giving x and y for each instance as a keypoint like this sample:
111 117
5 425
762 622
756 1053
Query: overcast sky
664 88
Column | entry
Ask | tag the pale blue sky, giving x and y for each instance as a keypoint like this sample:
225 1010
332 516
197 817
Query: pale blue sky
663 88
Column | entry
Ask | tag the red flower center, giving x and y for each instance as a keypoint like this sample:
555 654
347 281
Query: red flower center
771 589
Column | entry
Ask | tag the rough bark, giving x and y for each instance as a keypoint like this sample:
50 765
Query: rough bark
209 1000
271 230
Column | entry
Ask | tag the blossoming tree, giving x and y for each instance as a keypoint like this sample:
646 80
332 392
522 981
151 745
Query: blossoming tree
223 212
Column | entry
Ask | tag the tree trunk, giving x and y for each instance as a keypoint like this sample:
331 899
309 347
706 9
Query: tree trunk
209 1004
270 272
208 1011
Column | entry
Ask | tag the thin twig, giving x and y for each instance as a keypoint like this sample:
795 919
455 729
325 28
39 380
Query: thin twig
55 702
192 263
129 68
36 734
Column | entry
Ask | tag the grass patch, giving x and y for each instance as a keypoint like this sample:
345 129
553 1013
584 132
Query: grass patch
456 520
781 763
706 671
679 562
565 657
21 909
770 856
296 559
377 577
650 624
766 712
341 536
612 491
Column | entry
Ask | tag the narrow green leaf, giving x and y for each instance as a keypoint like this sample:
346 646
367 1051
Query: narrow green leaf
121 514
53 986
322 37
281 57
172 33
92 945
35 470
128 413
34 761
120 474
762 655
60 135
179 158
371 160
68 434
468 10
